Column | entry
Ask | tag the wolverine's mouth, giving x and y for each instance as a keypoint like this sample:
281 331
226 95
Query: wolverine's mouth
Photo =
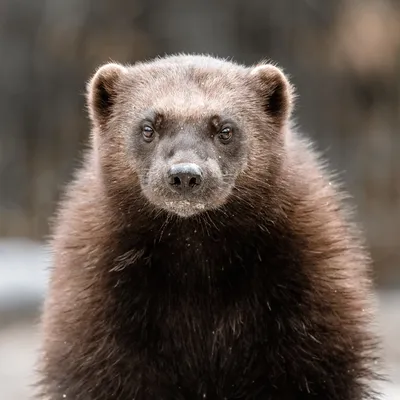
185 208
185 204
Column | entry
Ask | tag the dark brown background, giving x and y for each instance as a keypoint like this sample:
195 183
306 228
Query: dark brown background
343 56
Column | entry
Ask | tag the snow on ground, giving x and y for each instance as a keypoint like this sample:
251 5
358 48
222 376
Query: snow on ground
23 274
23 277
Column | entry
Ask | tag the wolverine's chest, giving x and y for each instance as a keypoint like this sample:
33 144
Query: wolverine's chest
210 288
209 312
204 295
211 344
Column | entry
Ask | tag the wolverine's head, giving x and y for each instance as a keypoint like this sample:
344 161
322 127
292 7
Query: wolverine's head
187 127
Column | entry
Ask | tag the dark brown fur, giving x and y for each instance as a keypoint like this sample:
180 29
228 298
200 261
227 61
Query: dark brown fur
265 296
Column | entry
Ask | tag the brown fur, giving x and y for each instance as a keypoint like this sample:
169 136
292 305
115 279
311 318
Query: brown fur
264 296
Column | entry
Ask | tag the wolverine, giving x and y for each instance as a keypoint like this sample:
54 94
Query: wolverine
203 250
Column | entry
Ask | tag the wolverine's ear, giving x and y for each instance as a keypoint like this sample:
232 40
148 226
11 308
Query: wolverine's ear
276 91
101 91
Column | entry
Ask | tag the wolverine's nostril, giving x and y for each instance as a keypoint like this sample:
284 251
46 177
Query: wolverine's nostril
193 182
185 177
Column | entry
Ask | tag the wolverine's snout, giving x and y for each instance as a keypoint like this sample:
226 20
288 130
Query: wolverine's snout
185 178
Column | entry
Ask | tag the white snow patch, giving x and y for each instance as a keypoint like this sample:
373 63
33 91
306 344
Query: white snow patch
24 267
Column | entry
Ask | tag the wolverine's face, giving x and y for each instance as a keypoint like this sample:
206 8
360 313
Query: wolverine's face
188 165
188 126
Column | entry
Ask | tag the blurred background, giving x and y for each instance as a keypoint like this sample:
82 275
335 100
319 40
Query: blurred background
342 55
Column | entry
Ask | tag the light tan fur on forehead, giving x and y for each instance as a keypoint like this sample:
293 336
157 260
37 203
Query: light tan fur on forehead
192 73
188 108
187 92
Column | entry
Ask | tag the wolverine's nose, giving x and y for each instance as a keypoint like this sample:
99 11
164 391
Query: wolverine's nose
185 177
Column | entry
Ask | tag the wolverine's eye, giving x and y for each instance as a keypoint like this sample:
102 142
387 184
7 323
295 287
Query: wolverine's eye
148 133
225 135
